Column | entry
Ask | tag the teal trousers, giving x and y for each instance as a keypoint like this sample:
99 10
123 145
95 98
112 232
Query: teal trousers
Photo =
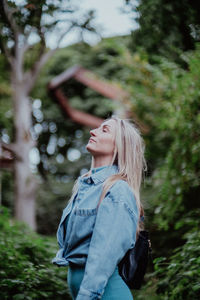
116 289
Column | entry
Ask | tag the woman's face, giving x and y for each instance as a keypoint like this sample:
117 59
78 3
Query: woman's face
102 140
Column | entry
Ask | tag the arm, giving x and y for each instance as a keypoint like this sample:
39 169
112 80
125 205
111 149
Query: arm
114 233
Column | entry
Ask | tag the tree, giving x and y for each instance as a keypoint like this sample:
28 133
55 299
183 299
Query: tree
24 30
166 27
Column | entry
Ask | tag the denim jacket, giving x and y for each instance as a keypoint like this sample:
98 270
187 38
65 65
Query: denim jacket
97 238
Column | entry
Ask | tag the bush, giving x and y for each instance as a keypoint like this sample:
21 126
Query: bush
180 277
25 264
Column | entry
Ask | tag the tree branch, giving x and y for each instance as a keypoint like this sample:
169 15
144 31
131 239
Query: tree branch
64 34
8 147
25 48
32 75
5 51
26 44
8 12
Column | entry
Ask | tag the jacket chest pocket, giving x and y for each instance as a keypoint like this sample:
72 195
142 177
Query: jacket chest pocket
82 224
85 212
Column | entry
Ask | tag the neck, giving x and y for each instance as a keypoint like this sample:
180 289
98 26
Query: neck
101 161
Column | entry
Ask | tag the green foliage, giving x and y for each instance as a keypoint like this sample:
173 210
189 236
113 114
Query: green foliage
177 180
179 278
166 98
166 28
25 264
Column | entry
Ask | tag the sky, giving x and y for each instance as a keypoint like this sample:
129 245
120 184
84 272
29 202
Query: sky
109 19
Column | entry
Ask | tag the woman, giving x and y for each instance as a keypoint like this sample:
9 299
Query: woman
100 222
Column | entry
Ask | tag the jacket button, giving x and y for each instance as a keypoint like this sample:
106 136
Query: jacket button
89 180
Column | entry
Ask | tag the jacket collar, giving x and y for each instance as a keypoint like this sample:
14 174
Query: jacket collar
102 174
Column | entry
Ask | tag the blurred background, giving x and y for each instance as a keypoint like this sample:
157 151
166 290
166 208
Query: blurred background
64 64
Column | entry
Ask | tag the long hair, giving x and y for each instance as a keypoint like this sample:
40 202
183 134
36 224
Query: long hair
129 157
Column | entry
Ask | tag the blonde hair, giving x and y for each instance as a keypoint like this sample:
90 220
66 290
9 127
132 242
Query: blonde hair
129 157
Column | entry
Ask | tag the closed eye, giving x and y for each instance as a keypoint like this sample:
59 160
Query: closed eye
105 128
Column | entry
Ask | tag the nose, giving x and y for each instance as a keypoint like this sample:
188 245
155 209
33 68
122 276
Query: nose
92 132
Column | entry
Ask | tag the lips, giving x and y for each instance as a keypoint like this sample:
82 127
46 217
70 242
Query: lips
92 140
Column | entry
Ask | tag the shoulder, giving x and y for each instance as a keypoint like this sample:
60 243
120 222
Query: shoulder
122 193
120 190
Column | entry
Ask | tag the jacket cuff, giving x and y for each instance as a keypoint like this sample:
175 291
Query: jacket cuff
87 295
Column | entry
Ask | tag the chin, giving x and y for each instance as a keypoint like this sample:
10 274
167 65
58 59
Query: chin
90 148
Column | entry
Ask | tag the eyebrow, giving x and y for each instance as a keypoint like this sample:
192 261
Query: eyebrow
106 125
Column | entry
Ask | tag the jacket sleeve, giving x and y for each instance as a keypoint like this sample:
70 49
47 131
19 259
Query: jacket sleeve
113 234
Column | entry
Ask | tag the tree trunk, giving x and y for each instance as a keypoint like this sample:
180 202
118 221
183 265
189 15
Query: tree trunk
25 185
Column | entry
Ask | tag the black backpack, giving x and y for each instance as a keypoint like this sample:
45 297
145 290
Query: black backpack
132 267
